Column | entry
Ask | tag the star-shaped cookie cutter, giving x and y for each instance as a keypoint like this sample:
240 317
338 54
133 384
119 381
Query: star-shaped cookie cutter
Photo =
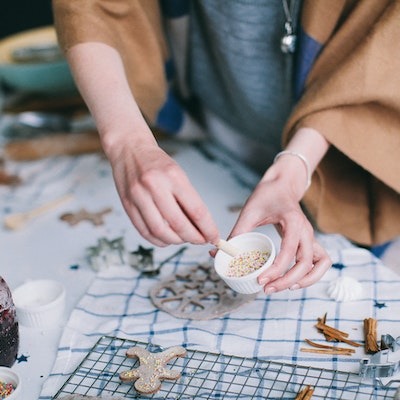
142 259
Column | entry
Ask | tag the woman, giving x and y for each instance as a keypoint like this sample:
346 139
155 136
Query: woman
342 130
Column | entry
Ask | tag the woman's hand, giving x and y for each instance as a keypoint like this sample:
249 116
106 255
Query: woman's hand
270 203
301 260
154 190
158 197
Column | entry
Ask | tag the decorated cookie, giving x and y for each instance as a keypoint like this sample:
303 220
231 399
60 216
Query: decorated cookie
200 294
152 369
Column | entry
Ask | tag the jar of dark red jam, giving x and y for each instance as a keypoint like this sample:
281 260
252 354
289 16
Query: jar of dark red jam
9 335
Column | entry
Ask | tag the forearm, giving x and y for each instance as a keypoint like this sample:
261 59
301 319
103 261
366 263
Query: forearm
312 146
101 80
154 190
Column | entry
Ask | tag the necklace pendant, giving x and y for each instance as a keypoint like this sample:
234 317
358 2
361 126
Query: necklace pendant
288 41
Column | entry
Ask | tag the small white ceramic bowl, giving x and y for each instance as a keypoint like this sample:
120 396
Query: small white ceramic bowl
9 376
245 242
40 303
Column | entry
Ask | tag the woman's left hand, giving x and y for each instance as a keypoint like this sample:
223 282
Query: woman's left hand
301 260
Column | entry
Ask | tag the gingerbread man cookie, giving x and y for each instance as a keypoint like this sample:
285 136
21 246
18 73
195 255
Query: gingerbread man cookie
152 369
96 218
83 397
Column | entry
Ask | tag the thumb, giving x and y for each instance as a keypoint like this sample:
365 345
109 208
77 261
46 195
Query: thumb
242 225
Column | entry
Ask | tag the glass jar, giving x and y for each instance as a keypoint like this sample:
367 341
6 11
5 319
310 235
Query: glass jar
9 334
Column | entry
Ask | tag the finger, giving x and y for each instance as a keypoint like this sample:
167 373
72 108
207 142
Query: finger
304 263
249 218
138 222
141 227
155 224
179 223
243 224
285 258
213 253
322 263
197 212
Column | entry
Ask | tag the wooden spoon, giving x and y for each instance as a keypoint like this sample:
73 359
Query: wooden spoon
19 220
228 248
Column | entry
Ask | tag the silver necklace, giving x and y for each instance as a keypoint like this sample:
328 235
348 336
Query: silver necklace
288 40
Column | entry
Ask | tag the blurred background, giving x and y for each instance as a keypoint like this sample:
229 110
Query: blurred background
41 112
20 15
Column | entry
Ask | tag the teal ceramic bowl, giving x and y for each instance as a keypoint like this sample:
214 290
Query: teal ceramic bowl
30 62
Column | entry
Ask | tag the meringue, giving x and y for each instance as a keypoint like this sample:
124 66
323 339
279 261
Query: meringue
345 289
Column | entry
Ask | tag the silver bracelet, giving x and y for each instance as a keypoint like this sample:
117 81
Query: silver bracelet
302 158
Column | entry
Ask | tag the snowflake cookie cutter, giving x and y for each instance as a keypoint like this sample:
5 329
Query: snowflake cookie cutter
197 294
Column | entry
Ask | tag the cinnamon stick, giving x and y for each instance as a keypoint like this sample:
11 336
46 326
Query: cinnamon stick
327 351
324 346
305 394
370 335
331 334
334 334
331 331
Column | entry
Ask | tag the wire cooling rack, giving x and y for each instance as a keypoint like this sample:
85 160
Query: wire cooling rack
213 376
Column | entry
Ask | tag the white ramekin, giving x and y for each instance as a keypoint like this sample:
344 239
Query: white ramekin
7 375
40 303
245 242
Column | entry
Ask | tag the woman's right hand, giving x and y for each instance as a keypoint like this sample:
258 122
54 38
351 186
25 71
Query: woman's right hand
159 198
155 192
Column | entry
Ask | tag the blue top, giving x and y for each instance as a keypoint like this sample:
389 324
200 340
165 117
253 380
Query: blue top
236 66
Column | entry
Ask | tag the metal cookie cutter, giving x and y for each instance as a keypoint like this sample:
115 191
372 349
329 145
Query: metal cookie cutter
381 364
106 253
142 259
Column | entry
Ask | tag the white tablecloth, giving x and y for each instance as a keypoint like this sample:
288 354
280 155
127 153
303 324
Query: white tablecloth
115 302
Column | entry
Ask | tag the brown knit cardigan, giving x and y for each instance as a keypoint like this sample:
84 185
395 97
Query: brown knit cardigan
352 97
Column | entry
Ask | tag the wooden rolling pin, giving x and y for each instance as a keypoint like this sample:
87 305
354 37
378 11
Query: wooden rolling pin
52 145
